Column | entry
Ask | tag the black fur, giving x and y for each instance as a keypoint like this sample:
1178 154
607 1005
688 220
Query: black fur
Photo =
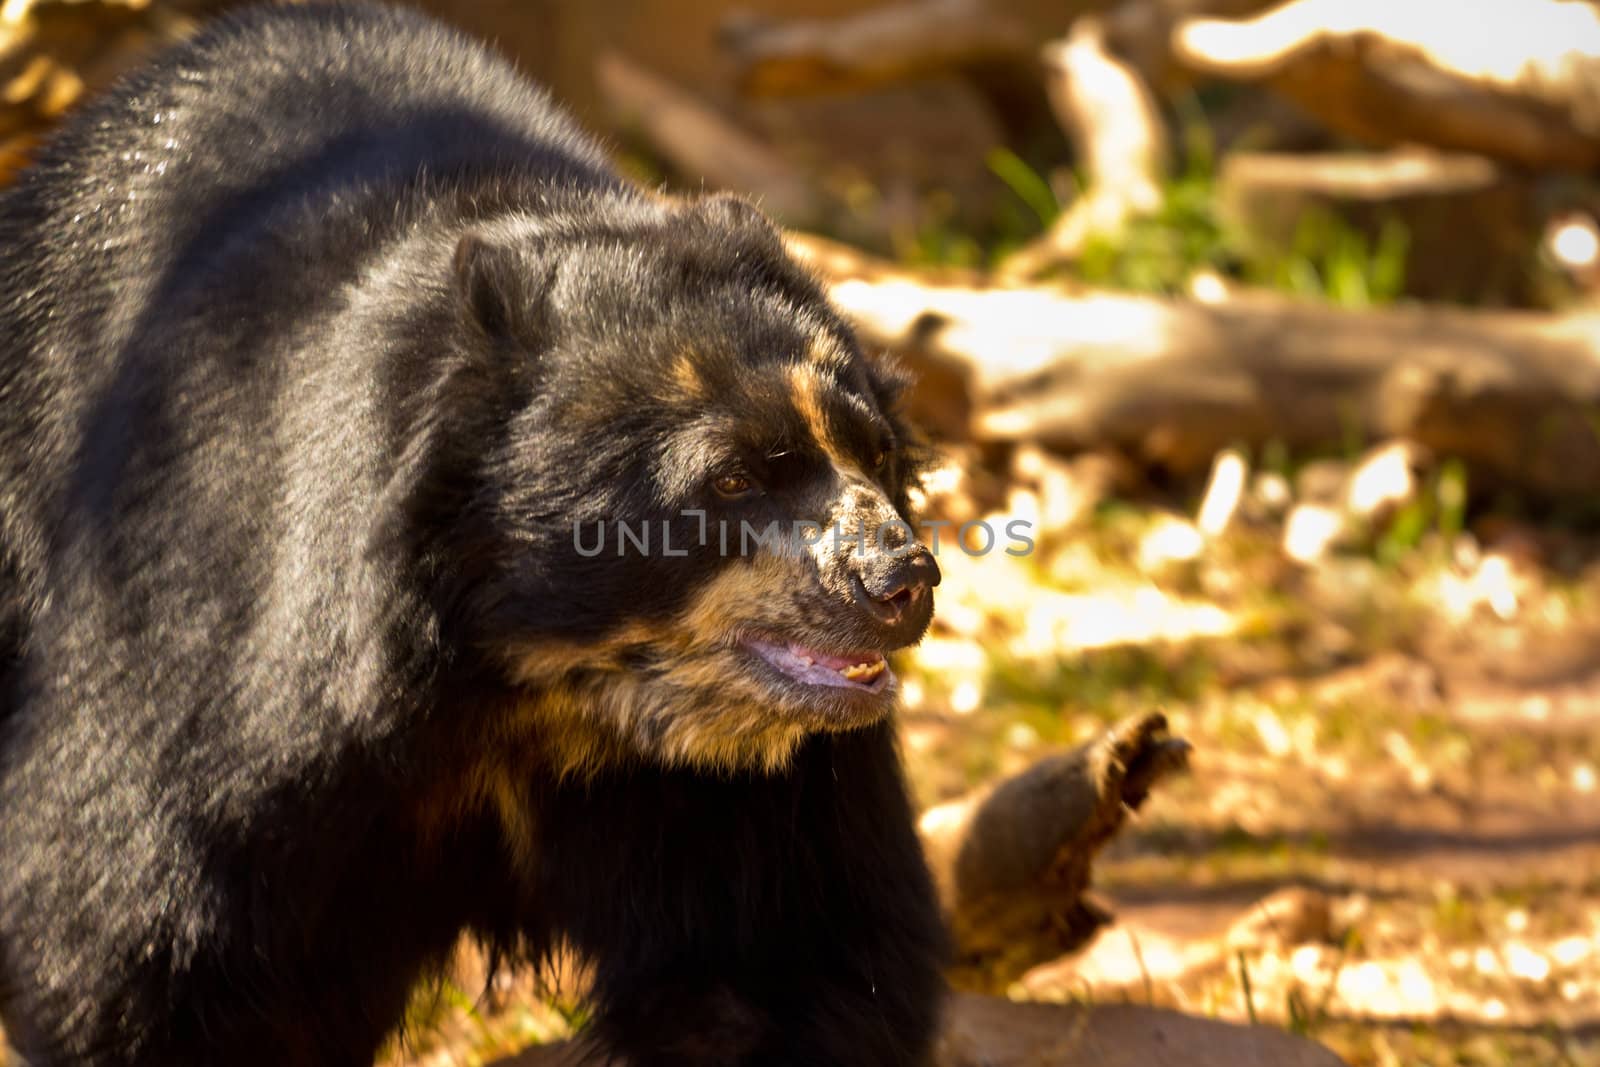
316 338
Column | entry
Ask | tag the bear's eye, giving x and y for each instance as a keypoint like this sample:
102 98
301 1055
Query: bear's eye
732 485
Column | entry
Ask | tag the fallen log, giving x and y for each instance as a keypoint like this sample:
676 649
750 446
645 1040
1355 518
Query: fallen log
1518 81
880 46
1141 32
1171 382
1468 228
898 42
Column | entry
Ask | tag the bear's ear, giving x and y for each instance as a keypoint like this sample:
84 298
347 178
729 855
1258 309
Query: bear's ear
732 212
503 285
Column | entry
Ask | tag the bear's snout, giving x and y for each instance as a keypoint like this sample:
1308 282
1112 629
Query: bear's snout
895 586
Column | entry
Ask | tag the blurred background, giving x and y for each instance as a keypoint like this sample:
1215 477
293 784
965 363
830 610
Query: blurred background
1278 321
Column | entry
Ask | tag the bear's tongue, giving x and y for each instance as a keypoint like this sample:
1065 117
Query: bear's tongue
863 670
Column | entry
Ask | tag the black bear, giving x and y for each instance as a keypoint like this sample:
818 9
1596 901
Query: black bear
410 529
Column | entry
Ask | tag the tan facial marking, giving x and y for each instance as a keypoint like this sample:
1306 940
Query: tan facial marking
589 707
589 723
686 378
807 384
762 579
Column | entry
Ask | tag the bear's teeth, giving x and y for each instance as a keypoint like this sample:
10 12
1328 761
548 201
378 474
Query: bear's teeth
860 672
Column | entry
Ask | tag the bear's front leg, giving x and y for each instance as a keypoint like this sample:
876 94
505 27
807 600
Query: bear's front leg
769 919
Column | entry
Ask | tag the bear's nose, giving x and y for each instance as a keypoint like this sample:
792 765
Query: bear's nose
890 584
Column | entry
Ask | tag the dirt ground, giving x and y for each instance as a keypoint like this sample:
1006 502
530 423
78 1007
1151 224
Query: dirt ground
1391 837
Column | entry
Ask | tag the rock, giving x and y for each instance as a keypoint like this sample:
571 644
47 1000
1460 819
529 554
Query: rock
991 1032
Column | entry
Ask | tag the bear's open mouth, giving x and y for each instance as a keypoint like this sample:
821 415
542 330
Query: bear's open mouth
867 671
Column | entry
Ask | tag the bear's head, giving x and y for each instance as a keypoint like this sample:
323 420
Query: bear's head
695 542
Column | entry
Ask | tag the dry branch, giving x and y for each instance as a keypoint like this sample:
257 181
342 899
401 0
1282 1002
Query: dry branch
1013 861
1110 114
875 47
